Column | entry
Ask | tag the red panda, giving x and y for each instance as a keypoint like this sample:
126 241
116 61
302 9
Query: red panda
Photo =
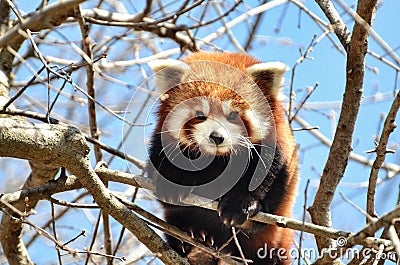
221 133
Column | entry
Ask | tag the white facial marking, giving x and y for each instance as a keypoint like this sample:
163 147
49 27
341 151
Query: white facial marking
226 107
205 106
260 125
176 119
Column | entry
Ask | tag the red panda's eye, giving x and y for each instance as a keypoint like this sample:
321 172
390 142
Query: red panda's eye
233 115
200 116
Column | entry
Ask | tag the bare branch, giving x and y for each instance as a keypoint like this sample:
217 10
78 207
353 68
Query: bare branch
237 20
177 233
86 44
367 27
381 150
342 142
65 146
167 30
48 17
393 169
47 76
370 229
11 231
339 27
21 218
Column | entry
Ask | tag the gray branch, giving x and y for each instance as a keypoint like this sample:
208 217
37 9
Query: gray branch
342 143
61 145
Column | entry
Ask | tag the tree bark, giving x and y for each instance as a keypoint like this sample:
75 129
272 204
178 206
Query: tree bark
342 142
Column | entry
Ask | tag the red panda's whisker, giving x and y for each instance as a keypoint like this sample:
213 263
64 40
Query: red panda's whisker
250 145
167 146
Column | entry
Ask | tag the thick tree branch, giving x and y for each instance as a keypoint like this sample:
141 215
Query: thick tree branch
342 142
5 57
11 231
373 34
164 30
48 17
60 145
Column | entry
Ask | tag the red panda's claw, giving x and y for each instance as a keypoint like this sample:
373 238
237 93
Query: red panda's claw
183 248
203 235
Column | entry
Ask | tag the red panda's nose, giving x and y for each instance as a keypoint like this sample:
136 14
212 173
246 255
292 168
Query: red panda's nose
216 138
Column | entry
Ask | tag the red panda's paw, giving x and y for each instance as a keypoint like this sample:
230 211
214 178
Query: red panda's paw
235 211
170 193
203 237
171 196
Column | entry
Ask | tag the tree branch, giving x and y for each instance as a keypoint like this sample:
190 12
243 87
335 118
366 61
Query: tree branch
336 252
393 169
342 142
334 18
61 145
10 230
164 30
48 17
381 150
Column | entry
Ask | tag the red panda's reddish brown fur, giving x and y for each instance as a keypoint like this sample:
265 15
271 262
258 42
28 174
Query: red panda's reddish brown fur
284 133
274 236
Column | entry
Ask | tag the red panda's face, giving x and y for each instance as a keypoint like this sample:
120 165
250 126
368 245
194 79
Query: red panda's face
215 108
215 126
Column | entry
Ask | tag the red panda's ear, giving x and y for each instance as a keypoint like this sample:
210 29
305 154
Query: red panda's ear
269 75
168 73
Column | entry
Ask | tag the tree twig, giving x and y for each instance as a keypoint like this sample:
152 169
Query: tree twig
381 150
